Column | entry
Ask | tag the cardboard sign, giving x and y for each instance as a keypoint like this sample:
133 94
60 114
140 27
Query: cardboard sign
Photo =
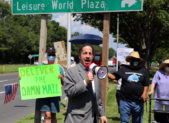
122 53
40 82
61 55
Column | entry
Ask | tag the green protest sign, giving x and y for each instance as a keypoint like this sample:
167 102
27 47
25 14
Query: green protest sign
40 82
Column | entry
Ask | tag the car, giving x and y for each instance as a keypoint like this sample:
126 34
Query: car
110 63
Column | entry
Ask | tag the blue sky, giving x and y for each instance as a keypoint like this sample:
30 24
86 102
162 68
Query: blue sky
83 28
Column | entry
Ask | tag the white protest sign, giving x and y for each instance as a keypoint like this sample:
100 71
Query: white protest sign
122 53
61 52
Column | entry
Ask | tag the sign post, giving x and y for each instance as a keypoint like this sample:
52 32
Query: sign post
43 37
105 53
30 57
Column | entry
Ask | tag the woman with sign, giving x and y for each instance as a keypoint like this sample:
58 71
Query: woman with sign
51 105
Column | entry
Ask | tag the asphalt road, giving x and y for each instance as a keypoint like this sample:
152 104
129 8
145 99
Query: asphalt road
17 109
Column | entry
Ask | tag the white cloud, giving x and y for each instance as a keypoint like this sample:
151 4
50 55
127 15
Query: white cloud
76 26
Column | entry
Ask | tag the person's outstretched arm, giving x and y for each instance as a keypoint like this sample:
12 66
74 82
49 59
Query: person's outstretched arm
152 89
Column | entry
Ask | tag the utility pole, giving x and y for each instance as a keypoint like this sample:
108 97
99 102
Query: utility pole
43 37
42 50
105 53
68 38
117 64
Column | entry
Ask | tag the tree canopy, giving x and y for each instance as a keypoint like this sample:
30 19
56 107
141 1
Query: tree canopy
20 35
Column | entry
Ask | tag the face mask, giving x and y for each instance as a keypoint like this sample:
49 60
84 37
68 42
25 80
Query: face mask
168 69
97 58
135 63
51 58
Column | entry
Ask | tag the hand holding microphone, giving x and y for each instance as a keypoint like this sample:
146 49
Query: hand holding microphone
89 77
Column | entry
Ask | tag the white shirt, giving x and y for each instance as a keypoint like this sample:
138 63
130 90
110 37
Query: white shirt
93 85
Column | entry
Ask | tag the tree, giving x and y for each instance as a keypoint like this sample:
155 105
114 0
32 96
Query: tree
142 31
20 35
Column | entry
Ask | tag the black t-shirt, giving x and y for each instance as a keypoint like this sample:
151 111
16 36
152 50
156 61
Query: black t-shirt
133 82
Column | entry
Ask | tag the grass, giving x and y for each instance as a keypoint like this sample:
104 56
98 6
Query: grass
11 68
111 110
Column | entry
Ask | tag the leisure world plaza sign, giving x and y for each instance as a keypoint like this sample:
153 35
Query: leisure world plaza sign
74 6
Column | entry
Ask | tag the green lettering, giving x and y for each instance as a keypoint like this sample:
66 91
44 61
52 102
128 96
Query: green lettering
37 92
31 71
42 70
49 89
22 72
23 91
28 91
51 69
45 90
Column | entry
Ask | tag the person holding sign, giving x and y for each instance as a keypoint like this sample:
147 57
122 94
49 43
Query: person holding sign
50 105
134 88
84 91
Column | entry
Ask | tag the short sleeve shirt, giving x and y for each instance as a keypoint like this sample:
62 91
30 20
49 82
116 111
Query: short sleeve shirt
133 82
162 85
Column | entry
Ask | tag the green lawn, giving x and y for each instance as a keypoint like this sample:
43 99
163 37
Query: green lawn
11 68
111 110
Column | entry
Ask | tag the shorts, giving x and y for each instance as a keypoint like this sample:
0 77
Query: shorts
51 104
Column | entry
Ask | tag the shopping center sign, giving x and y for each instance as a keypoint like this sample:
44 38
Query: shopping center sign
74 6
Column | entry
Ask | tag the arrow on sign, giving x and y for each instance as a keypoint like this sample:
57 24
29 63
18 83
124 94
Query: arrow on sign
129 2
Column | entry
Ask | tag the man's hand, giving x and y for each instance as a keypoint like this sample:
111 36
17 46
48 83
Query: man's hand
144 97
89 77
103 119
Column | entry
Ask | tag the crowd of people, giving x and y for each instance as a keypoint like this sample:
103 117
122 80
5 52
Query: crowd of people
83 90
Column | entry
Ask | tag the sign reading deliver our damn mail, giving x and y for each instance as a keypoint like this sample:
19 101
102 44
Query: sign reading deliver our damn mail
40 82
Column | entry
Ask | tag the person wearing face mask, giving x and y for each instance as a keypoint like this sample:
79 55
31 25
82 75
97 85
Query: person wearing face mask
159 86
134 88
97 58
51 105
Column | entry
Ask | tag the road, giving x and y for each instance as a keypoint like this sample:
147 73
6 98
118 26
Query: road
17 109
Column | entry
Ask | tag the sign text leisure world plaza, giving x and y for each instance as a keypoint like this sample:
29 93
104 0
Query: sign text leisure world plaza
74 6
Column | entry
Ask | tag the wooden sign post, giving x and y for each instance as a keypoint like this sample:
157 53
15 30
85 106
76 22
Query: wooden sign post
42 50
105 53
43 38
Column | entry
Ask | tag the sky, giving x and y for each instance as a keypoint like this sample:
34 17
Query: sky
76 26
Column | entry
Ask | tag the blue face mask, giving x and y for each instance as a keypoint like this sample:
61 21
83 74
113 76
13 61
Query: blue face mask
135 63
168 68
97 58
51 58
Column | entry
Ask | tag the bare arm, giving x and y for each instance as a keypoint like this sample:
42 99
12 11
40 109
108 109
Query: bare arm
152 88
112 77
144 95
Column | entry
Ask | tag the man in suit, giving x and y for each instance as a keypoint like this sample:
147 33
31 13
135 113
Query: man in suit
84 91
